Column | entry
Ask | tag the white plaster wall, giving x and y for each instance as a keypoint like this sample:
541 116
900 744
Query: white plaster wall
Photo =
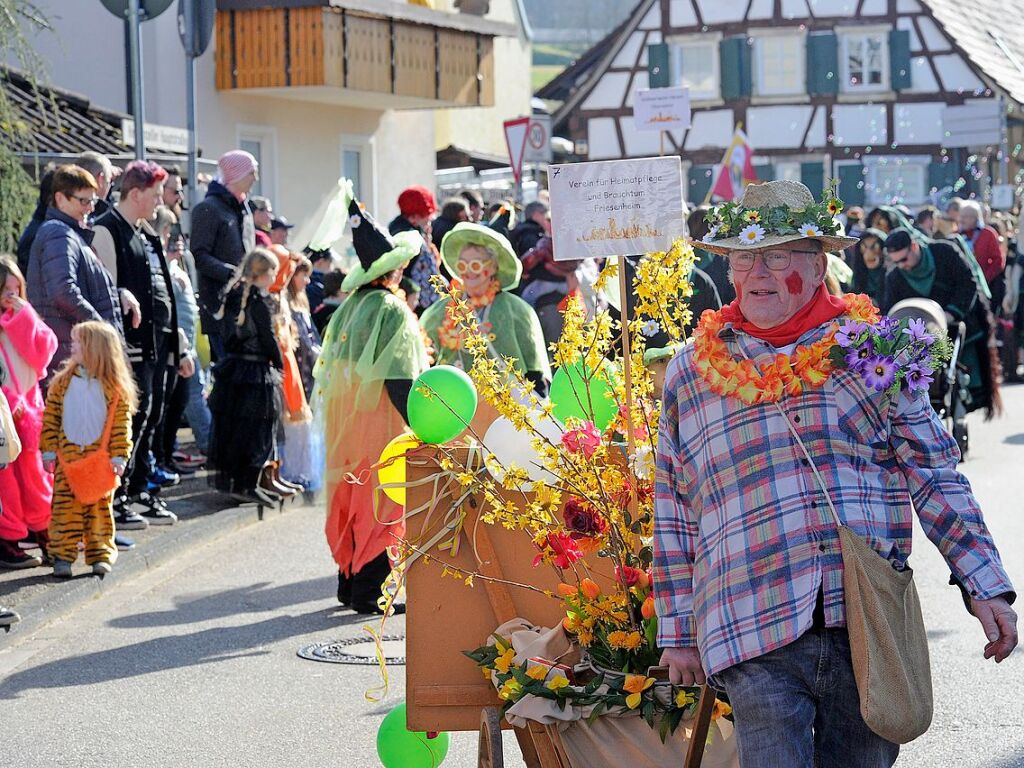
762 9
602 139
816 135
711 128
681 13
641 80
795 9
716 11
956 75
859 125
934 39
908 6
875 8
919 123
778 127
826 8
609 92
640 143
652 19
907 24
921 76
630 50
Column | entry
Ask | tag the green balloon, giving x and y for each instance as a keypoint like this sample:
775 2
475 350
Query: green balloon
398 747
573 397
441 404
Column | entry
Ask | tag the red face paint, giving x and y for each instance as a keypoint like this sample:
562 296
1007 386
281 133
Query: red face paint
795 284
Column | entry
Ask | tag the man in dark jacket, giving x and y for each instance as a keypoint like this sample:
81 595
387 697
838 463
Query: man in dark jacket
67 283
133 254
536 223
453 211
222 233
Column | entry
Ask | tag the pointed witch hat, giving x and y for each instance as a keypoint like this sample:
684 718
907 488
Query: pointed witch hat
378 252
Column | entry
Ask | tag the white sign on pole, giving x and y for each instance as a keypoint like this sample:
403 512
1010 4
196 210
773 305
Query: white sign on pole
661 109
615 208
162 138
975 124
515 139
538 140
1002 197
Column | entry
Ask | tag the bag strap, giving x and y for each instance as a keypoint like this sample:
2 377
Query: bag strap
108 427
803 449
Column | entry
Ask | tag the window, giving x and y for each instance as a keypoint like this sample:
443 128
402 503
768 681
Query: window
779 65
357 161
864 62
897 180
787 171
351 168
261 142
696 64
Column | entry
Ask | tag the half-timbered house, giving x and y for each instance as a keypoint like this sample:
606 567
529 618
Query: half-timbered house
852 89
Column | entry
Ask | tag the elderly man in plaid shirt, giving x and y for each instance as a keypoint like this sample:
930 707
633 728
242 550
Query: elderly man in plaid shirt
747 562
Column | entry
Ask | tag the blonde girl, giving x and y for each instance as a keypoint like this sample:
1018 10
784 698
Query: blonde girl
89 407
245 401
309 342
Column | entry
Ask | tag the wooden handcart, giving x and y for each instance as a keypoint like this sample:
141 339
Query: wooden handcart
444 690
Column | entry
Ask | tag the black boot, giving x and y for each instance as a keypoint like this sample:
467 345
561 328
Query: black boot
344 589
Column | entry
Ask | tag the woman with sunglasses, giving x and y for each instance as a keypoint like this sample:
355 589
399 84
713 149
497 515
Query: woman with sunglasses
483 264
869 265
67 282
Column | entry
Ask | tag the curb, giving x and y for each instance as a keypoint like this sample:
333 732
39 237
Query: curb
53 604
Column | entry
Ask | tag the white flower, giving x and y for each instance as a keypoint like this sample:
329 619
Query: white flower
710 236
355 220
650 328
810 230
752 233
642 462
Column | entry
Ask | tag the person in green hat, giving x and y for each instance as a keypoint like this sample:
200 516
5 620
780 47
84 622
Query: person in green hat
373 349
483 262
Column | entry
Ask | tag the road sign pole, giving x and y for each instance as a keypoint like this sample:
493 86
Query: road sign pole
135 55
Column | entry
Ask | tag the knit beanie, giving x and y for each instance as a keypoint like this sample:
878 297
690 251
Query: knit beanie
417 201
235 165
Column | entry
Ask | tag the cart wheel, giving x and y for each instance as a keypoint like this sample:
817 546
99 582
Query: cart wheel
491 755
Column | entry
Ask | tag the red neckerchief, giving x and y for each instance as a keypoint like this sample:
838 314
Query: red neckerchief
822 308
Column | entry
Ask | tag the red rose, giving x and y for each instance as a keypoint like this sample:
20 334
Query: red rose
582 519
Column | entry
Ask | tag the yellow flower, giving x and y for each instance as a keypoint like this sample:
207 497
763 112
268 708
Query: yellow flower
617 639
503 662
636 685
752 216
557 683
684 699
487 672
465 478
537 672
585 637
721 709
510 689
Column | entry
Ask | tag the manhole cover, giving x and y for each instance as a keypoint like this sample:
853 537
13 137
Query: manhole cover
355 650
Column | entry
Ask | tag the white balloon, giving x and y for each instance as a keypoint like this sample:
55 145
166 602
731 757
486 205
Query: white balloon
511 447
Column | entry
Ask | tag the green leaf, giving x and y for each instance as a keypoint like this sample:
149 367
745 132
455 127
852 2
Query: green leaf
598 711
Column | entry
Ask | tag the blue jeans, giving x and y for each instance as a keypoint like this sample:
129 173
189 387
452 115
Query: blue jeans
797 707
196 411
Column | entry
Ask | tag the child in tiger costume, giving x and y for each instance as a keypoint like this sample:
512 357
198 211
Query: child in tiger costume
89 408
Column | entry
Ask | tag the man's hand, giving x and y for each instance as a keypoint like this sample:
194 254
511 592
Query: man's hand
684 666
999 621
130 305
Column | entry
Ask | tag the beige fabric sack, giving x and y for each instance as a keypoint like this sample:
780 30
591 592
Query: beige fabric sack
887 641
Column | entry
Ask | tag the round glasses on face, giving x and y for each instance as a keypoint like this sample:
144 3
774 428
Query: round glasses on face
472 266
776 261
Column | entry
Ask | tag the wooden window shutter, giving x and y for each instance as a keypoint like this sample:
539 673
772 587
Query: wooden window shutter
851 184
735 59
822 64
812 176
699 181
658 74
899 59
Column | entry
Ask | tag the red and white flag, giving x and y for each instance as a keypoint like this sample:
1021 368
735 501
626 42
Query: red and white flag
736 169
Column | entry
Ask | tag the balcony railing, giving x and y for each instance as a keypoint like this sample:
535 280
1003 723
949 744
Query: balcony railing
381 54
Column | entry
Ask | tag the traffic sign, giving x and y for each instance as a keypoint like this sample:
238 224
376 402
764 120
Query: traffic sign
148 9
538 140
195 25
515 140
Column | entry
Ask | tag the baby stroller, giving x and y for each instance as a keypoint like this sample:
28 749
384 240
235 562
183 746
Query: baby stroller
949 393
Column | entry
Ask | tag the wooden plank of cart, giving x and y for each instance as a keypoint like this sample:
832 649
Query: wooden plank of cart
444 689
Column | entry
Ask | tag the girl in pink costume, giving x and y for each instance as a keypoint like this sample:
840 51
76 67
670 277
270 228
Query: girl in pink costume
26 347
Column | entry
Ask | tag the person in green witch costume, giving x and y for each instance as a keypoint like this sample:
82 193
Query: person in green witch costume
373 350
483 261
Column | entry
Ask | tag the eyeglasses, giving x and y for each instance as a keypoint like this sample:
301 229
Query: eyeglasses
776 261
86 200
473 266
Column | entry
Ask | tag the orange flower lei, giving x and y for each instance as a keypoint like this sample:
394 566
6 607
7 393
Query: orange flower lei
809 366
448 333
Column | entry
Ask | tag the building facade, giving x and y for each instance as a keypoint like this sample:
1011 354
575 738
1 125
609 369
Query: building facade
852 89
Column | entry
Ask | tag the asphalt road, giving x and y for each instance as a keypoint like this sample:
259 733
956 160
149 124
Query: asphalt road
194 663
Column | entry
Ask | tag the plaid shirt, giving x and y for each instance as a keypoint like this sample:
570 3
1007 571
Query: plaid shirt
743 536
